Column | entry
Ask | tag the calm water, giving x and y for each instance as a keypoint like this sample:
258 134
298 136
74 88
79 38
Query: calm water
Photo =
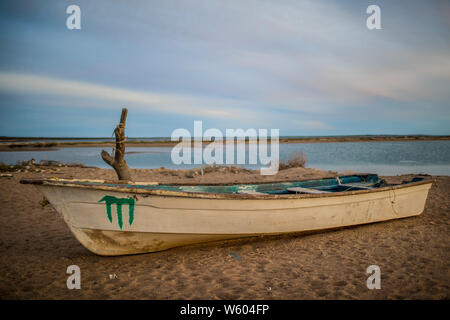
385 158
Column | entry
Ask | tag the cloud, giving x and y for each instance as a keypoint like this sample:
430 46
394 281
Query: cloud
88 94
245 63
313 125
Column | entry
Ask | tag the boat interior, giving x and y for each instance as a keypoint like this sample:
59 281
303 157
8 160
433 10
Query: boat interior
317 186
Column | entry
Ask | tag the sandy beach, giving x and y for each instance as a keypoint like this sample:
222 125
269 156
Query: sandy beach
37 247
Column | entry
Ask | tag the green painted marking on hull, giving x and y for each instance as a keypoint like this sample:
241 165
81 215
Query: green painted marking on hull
109 200
108 211
131 214
119 215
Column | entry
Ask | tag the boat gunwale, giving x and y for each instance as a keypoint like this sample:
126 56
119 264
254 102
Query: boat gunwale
236 196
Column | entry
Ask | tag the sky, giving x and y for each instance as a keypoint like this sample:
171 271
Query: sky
307 67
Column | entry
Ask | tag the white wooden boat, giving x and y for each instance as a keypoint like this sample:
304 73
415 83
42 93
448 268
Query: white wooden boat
110 218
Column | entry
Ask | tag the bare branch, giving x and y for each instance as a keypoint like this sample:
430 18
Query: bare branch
118 162
107 158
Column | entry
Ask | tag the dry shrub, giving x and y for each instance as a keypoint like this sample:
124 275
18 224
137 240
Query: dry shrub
296 160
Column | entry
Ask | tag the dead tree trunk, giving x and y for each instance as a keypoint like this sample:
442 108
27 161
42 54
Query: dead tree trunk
118 162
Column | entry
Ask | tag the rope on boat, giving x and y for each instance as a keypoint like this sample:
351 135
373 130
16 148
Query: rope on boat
393 201
368 186
120 125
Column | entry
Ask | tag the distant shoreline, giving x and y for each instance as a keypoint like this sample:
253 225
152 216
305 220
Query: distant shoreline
21 144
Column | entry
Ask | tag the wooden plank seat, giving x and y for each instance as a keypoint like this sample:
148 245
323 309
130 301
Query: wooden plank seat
356 185
306 190
250 192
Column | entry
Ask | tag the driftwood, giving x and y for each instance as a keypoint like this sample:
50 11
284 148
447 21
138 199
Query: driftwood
118 162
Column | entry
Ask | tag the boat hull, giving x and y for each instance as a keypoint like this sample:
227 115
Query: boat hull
152 222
